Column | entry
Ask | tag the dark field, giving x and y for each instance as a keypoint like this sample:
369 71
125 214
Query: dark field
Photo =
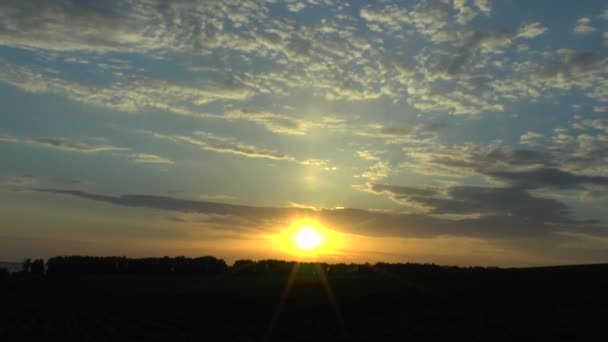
379 303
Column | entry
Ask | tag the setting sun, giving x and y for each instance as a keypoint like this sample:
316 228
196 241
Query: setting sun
307 238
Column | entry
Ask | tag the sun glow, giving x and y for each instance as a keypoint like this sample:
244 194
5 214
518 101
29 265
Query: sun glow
306 238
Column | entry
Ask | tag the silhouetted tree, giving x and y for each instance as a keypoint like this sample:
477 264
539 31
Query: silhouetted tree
207 265
275 266
246 266
37 267
26 265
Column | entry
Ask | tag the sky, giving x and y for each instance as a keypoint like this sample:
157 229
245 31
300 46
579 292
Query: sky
457 132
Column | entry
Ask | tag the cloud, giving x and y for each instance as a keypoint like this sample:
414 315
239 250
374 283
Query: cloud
380 169
465 13
532 30
583 26
530 138
295 6
474 43
150 159
276 123
565 161
426 98
214 143
400 133
22 182
571 69
377 171
331 60
470 159
563 70
547 177
70 145
177 98
71 25
422 127
64 144
8 138
594 194
430 18
122 25
484 6
211 142
449 65
391 16
480 201
132 96
371 223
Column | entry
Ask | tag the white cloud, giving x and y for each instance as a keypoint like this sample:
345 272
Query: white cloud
275 123
280 123
465 13
393 17
484 6
376 171
530 138
583 26
64 144
123 26
150 159
379 170
133 96
220 144
71 145
532 30
296 6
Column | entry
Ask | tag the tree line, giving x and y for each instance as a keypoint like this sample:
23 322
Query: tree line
209 265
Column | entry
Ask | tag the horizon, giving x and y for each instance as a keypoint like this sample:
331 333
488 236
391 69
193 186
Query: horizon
231 264
452 132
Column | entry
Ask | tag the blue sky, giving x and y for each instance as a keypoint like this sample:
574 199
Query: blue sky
449 131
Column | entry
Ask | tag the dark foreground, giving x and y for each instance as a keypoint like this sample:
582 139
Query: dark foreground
380 303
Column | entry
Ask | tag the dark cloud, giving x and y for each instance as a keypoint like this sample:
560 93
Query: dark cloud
170 203
511 202
404 130
452 64
516 157
65 25
572 63
522 168
433 126
483 160
547 177
506 213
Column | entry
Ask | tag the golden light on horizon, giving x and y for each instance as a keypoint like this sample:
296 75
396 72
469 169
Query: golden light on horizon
306 238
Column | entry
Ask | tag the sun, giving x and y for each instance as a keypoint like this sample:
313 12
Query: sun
307 238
